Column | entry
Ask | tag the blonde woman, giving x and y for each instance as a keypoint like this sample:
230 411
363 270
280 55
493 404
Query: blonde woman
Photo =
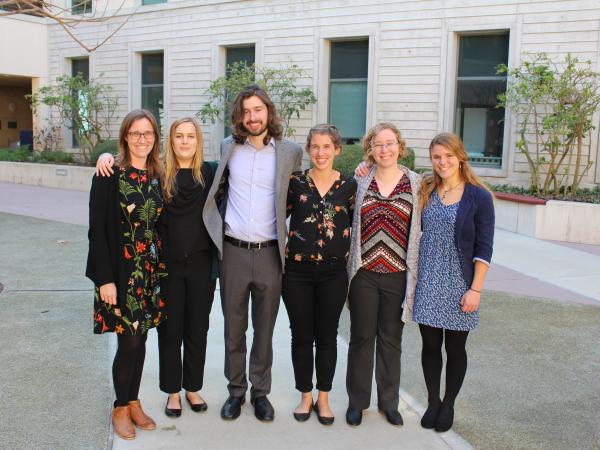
455 253
187 251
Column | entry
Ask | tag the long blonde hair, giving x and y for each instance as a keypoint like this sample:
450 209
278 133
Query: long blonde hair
154 165
432 181
169 181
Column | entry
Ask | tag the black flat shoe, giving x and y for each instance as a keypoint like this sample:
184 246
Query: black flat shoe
445 418
393 416
232 407
263 410
197 407
303 417
430 415
172 412
353 417
322 419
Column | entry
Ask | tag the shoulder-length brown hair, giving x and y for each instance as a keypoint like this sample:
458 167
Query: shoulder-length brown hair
367 141
274 129
154 165
432 181
172 165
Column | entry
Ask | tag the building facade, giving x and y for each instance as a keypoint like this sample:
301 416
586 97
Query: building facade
425 65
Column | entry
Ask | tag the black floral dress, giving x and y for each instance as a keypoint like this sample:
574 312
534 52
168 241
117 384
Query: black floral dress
140 202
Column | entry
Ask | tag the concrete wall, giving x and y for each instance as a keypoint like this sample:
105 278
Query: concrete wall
413 53
50 175
23 46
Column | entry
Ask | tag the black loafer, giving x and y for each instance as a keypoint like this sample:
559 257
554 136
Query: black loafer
353 417
172 412
263 410
197 407
430 415
445 418
303 417
232 407
323 420
393 416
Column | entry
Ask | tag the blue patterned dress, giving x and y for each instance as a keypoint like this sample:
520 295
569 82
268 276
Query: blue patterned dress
440 284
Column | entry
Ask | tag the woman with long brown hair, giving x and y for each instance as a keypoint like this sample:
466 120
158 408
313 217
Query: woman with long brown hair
454 256
123 261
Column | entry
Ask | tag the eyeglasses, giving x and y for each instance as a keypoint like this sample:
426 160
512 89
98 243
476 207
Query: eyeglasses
382 146
136 135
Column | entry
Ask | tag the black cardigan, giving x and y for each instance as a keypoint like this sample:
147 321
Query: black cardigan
105 263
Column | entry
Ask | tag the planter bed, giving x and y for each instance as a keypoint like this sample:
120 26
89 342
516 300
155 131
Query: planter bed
556 220
78 178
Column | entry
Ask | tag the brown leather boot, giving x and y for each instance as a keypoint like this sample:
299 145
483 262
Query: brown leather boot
139 417
122 422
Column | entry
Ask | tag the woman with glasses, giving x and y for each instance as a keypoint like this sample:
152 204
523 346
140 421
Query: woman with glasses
315 282
123 261
382 271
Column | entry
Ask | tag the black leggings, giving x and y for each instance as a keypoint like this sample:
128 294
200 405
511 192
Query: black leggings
127 367
431 359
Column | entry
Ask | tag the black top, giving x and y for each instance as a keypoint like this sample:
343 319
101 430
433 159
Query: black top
319 226
182 227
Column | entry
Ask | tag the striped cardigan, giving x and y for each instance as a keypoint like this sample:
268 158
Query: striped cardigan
414 237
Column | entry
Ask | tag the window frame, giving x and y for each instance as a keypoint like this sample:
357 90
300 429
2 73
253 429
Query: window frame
84 12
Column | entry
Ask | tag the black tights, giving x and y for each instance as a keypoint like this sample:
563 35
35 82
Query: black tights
431 359
127 367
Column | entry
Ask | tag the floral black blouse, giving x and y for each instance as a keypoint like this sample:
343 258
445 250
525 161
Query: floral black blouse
319 226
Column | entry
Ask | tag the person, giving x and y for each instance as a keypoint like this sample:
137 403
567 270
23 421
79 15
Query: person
382 271
456 249
123 261
245 215
315 281
187 252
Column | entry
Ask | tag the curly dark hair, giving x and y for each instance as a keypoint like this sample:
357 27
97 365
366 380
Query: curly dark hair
274 129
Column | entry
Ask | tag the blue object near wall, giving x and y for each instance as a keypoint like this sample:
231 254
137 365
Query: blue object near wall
26 138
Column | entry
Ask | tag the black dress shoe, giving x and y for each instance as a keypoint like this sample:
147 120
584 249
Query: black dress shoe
172 412
322 419
393 416
430 415
263 410
232 407
353 417
197 407
444 419
303 417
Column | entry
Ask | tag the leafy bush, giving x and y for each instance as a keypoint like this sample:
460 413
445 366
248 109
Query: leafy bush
56 156
352 155
14 154
108 146
584 195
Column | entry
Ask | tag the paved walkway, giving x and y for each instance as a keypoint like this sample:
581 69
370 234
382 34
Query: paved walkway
522 266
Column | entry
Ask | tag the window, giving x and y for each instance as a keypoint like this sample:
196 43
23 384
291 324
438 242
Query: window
81 6
152 84
153 2
239 54
477 120
80 66
348 76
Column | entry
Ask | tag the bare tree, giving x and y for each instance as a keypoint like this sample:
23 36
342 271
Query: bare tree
69 18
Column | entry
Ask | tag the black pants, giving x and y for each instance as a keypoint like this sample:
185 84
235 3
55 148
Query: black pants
189 297
431 359
128 366
314 295
375 302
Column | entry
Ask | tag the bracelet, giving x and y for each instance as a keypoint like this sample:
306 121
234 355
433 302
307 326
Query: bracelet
475 290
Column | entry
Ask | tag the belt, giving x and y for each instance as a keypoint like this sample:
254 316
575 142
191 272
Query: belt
251 245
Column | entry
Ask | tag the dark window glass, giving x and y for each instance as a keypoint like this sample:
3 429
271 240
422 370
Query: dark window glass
245 54
478 122
80 66
153 2
152 84
348 77
81 6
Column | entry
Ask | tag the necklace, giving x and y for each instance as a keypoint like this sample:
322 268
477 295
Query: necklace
450 189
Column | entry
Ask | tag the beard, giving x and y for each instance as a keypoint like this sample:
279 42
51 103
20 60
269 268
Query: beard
260 131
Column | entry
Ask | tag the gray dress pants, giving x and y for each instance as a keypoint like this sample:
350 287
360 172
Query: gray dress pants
245 274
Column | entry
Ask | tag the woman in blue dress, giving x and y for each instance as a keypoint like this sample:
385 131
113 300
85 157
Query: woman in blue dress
454 256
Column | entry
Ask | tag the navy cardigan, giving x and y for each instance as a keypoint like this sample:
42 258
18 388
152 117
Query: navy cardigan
474 229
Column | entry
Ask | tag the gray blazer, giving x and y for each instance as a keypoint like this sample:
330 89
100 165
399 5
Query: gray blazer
414 237
288 160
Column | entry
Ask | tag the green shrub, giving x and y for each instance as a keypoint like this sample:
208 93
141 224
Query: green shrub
352 155
14 154
55 156
109 146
